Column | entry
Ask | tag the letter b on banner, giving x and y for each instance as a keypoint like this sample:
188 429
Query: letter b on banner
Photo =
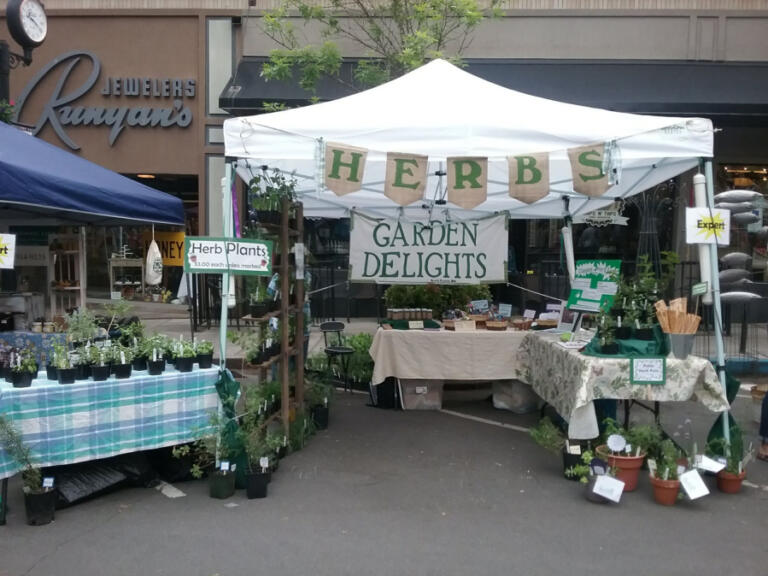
529 177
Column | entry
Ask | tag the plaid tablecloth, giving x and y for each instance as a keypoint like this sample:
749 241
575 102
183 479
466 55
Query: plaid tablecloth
64 424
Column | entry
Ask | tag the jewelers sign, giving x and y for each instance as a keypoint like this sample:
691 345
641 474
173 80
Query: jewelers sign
453 252
228 255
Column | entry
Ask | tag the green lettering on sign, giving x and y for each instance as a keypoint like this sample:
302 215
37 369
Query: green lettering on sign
400 170
353 165
591 159
472 176
527 164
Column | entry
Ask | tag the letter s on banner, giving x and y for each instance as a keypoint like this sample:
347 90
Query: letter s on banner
590 176
529 177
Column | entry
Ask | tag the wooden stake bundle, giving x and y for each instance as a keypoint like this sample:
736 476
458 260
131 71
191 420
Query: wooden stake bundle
674 319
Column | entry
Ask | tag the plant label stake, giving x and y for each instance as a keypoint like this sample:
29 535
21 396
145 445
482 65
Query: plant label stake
693 485
48 482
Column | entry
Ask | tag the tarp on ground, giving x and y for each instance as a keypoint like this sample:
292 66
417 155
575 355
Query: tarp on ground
441 111
42 182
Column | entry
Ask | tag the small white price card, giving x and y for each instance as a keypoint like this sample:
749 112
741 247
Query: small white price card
652 467
264 462
573 448
415 324
224 465
693 485
464 326
48 482
608 487
479 305
651 371
505 310
707 464
529 314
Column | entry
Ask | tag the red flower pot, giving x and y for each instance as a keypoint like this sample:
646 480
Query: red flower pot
730 483
665 491
627 467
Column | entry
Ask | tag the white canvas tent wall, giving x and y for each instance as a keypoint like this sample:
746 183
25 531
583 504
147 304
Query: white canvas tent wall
441 111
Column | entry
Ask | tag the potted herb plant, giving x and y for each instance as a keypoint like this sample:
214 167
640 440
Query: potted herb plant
586 472
259 455
25 369
204 350
625 450
730 478
550 437
185 355
605 332
154 349
39 501
100 369
50 364
141 353
664 478
64 370
121 358
317 397
81 326
258 301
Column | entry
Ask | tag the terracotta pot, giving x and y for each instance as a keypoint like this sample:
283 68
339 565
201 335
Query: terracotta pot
665 491
627 467
730 483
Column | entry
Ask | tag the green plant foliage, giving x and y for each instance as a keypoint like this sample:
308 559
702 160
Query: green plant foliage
6 111
581 471
548 436
734 454
436 297
27 361
267 191
204 347
13 444
647 436
666 462
81 325
395 36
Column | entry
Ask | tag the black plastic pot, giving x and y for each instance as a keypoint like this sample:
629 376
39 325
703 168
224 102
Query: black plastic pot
7 374
644 334
221 485
22 379
282 452
156 367
40 507
612 348
320 416
259 309
122 370
274 305
205 360
256 485
82 372
66 375
139 363
100 373
624 333
570 460
51 372
616 312
184 364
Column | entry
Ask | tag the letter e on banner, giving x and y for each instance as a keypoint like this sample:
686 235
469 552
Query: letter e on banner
467 181
587 171
344 168
406 178
529 177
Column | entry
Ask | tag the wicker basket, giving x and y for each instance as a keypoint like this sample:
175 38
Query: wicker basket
522 324
449 324
496 325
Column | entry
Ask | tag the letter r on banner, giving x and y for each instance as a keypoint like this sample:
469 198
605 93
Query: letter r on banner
467 181
406 178
344 168
588 170
529 177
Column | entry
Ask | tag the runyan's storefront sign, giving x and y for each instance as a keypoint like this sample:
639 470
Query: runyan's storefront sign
449 252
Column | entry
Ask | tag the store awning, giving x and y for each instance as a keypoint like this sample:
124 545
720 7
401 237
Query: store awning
41 182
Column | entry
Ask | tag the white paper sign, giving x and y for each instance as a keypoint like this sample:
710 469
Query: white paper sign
264 462
464 326
608 487
652 467
224 465
529 314
705 226
707 464
48 482
415 324
505 310
479 305
693 485
647 370
7 250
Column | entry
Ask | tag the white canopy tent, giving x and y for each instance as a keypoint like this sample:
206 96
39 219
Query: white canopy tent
440 111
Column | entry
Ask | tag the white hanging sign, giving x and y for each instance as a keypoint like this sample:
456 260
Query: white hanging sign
417 252
705 226
7 250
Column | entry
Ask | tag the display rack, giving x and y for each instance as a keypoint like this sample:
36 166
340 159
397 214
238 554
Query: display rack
66 271
126 283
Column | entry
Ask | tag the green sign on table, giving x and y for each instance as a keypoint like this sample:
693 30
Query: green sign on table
594 286
699 289
228 255
652 370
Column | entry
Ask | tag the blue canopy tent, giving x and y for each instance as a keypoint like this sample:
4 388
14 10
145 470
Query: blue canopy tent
41 182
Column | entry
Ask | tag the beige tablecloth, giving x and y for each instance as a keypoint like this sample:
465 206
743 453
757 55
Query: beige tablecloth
569 381
445 355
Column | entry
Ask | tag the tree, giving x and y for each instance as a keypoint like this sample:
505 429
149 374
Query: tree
6 111
391 36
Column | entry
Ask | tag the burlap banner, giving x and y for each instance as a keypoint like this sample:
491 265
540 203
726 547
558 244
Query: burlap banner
406 177
467 181
344 168
589 177
529 177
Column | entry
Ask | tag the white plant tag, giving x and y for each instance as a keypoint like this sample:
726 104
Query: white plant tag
608 487
264 462
224 465
708 464
693 484
574 449
628 448
652 467
48 482
529 314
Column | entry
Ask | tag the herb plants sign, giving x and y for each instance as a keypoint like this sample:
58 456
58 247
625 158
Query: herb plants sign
228 255
595 285
418 252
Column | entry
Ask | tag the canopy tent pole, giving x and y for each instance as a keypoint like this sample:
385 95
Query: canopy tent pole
567 232
83 265
226 216
717 308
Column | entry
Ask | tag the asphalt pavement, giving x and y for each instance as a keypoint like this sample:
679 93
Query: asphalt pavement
407 493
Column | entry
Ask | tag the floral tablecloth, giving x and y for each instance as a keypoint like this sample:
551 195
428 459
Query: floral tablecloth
42 342
569 381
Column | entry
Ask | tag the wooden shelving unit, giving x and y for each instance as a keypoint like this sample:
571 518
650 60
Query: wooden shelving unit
66 272
116 265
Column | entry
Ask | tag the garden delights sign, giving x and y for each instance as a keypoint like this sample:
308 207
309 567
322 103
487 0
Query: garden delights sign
592 170
452 252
